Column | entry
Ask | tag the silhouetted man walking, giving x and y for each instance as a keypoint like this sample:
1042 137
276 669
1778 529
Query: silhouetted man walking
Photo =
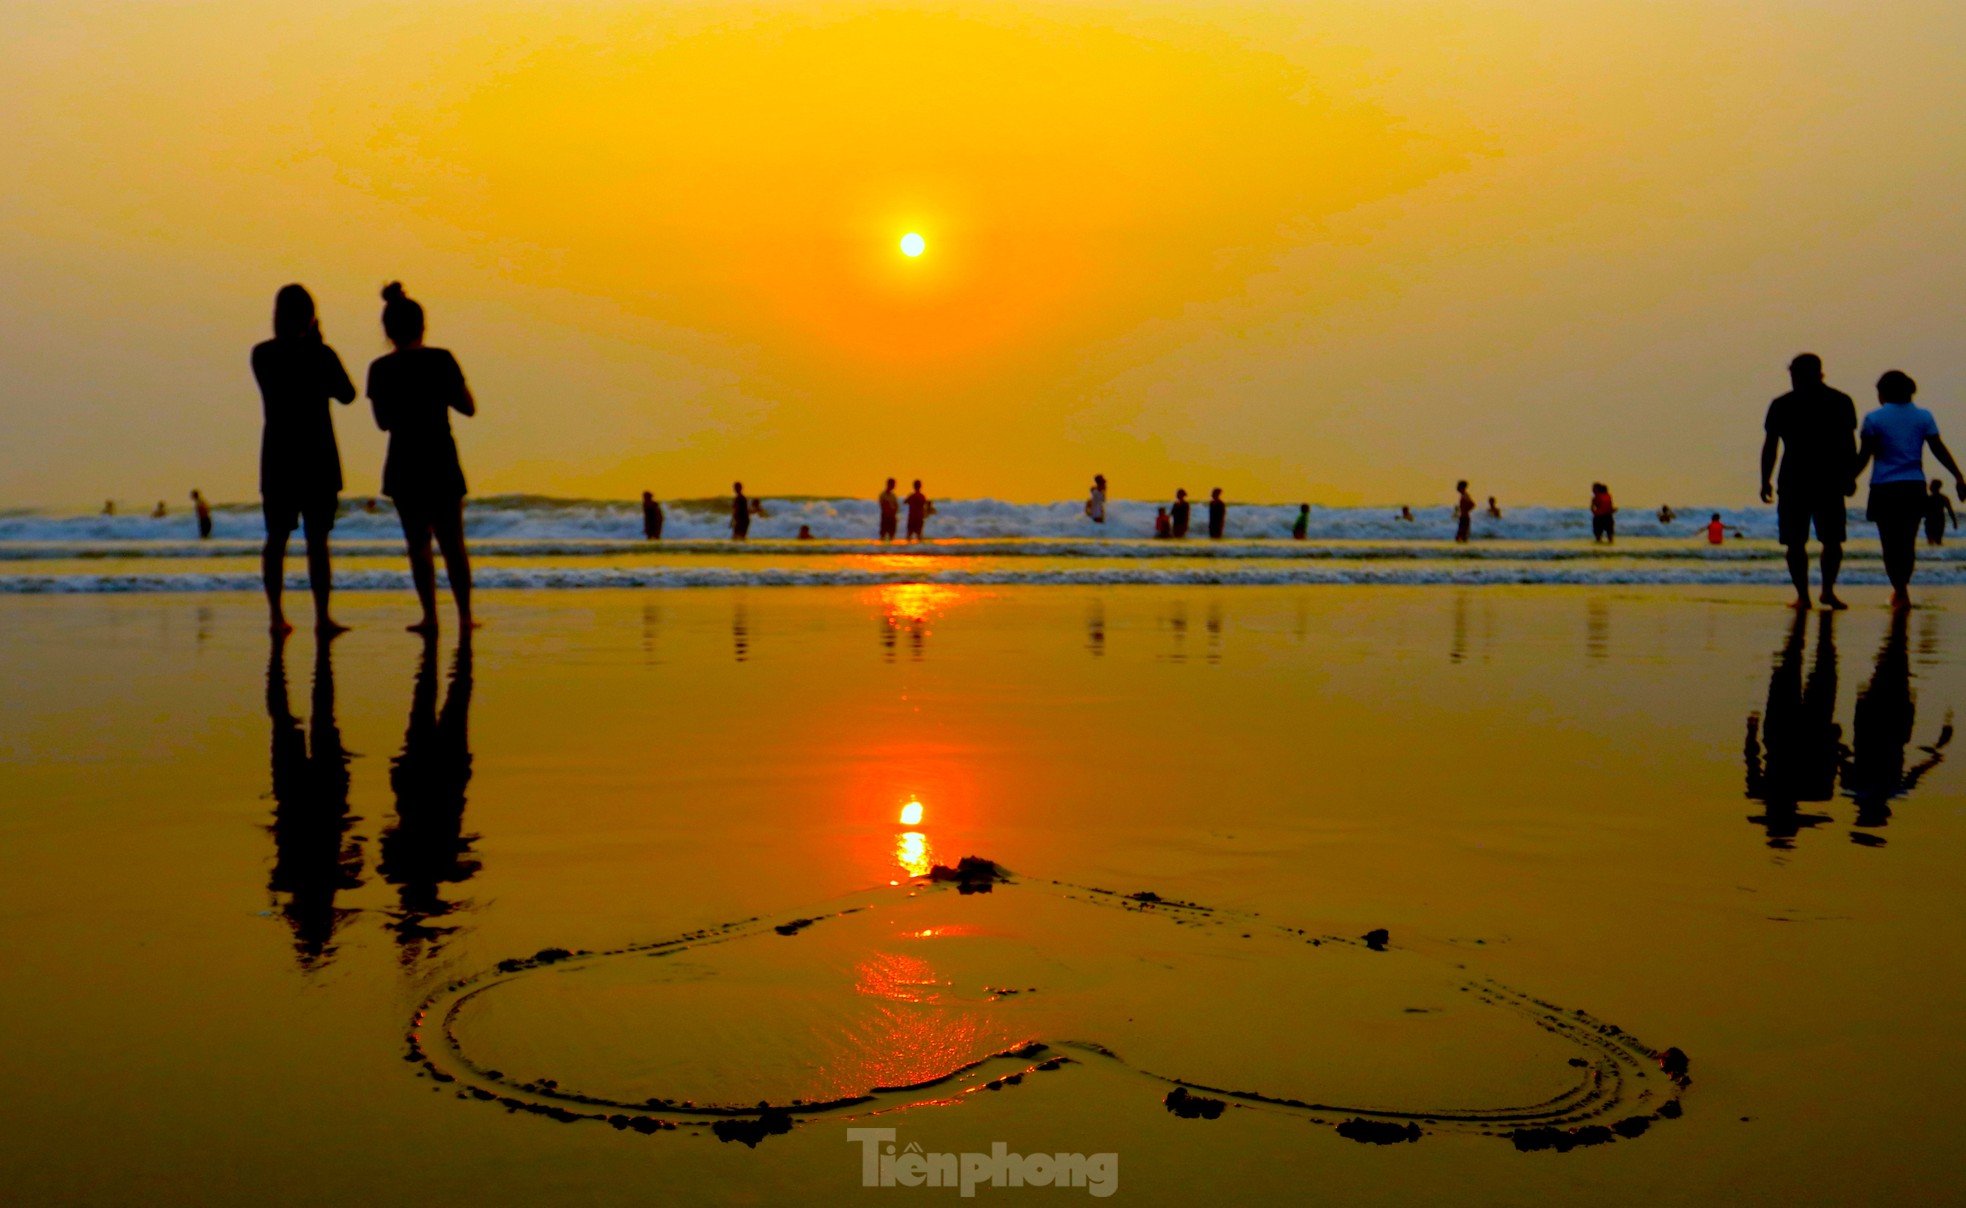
1815 428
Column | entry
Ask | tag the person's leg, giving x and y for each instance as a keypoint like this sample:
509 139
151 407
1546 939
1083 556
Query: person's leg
273 570
1798 560
1830 521
1792 524
423 573
449 525
320 575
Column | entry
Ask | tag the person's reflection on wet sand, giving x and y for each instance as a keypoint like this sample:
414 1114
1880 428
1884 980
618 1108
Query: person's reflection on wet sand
313 857
1795 748
1095 628
426 847
740 632
1885 716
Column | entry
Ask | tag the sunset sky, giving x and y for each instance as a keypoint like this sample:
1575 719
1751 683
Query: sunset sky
1344 252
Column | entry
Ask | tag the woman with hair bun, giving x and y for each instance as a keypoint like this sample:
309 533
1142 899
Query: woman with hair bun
1894 440
414 389
299 464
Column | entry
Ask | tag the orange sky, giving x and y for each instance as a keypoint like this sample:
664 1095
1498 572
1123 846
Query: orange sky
1346 252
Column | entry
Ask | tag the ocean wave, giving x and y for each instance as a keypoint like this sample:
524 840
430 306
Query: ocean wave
672 578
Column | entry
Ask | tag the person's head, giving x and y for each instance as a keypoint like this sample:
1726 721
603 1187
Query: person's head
1216 493
1491 501
1938 488
805 532
918 484
1098 480
293 314
1806 370
890 484
196 495
402 316
1462 486
1160 511
1716 518
1896 386
737 488
1181 493
1303 509
648 496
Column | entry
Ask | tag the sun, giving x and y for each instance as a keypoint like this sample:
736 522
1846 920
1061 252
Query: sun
913 244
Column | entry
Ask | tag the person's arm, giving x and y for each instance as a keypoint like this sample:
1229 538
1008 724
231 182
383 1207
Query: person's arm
1866 449
1944 455
462 401
384 414
1769 445
340 388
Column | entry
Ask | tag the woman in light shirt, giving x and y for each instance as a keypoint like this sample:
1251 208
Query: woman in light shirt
1893 440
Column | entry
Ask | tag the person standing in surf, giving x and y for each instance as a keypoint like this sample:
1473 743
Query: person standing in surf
413 390
1813 427
1893 444
919 510
1464 510
299 463
1218 515
890 511
1302 528
203 511
1604 515
1177 516
651 517
740 513
1938 514
1095 503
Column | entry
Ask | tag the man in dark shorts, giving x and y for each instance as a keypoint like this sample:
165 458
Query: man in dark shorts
740 513
1815 427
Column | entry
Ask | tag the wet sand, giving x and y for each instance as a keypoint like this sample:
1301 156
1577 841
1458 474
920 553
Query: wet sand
231 913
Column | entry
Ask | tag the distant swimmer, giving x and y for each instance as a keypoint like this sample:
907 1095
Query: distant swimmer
1894 440
1666 514
299 462
805 532
919 510
1938 513
651 517
1218 515
109 507
1604 514
1813 427
1494 509
890 512
740 513
1095 503
370 506
1405 513
203 511
1163 524
1716 531
413 391
1178 515
1464 510
1302 528
160 511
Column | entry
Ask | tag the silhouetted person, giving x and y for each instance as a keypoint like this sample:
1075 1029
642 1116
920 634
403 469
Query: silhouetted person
1302 528
805 532
651 517
1604 515
1494 509
313 857
1885 716
740 513
1813 425
1095 503
1938 514
426 848
1218 515
1178 514
1163 524
160 511
109 507
1464 510
1894 440
1666 514
1716 531
1794 750
203 512
299 463
919 510
1405 513
890 512
414 390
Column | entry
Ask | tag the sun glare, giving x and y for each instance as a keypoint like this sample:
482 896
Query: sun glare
913 244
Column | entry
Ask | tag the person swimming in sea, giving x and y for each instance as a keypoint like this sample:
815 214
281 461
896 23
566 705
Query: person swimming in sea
1938 514
651 517
1494 509
1302 528
1405 514
805 532
413 391
890 512
299 376
160 511
1667 515
203 511
919 510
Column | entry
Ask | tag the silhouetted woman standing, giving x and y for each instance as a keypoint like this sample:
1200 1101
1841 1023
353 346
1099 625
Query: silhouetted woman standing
414 389
299 464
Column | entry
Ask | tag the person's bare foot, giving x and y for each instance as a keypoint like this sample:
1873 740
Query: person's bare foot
1900 601
1801 604
427 627
467 621
1832 601
280 627
329 627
